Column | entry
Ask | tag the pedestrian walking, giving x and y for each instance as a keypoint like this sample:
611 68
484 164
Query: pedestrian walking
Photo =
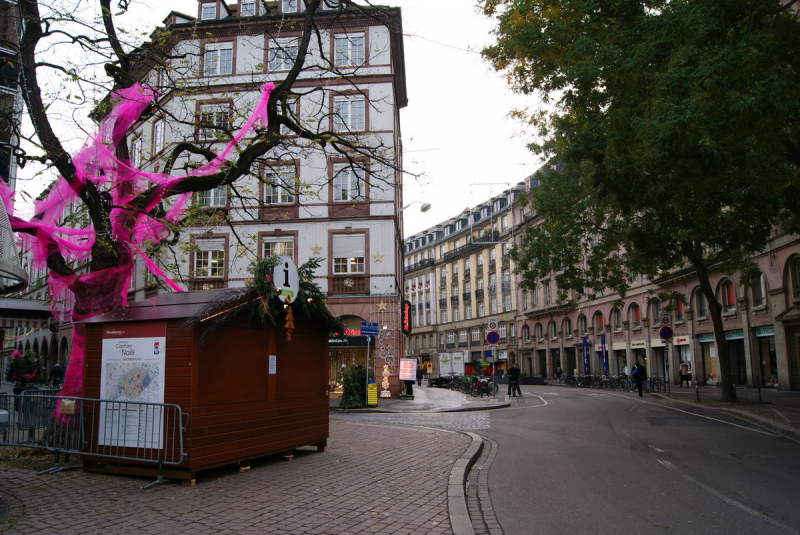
513 381
639 373
499 374
56 376
420 375
684 373
559 372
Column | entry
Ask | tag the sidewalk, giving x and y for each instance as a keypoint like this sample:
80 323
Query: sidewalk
435 399
776 410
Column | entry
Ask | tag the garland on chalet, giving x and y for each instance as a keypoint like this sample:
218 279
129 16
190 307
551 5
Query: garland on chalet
261 300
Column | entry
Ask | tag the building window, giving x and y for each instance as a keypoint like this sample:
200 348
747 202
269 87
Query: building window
462 337
636 316
553 330
702 304
526 333
456 314
759 296
655 309
616 318
479 283
289 6
136 152
247 8
213 120
468 311
278 246
348 253
679 314
208 11
502 330
476 335
218 59
729 296
282 53
539 332
209 260
279 186
451 338
158 136
349 50
582 325
443 316
492 255
794 270
504 222
348 184
455 270
213 198
506 302
348 113
548 296
480 261
481 309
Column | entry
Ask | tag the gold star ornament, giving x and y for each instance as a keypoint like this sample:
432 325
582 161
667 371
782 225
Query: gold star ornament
316 249
382 306
378 257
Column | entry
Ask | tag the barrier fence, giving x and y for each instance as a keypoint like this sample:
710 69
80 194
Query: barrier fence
121 430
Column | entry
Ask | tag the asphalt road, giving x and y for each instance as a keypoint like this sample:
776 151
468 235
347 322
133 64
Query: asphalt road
577 461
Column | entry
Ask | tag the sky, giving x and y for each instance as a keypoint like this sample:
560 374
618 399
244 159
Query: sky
456 132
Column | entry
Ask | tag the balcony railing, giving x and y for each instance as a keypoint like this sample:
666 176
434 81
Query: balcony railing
443 302
466 274
348 284
454 299
419 265
466 296
208 284
479 294
492 289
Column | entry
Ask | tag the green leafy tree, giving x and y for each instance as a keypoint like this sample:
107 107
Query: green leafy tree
674 128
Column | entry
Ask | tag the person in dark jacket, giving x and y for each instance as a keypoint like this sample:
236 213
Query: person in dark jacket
639 373
56 376
513 381
420 375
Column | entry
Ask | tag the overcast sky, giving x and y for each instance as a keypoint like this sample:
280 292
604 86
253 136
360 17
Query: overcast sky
455 129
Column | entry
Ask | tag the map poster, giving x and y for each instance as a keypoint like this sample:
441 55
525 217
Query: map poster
408 369
133 364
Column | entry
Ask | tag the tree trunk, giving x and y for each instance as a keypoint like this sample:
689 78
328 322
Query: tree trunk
715 312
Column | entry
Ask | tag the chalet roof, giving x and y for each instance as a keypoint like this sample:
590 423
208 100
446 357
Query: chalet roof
163 306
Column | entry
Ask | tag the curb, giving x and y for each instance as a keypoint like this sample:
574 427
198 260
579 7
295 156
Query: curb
785 430
389 411
456 488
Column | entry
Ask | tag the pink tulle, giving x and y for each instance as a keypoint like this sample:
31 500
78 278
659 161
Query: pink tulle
78 297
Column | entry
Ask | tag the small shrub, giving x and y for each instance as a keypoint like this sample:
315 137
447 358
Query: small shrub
355 390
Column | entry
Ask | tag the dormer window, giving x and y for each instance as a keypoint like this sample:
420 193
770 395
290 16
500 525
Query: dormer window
289 6
208 11
247 8
331 4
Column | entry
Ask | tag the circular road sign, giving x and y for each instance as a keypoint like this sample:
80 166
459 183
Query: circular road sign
665 333
492 337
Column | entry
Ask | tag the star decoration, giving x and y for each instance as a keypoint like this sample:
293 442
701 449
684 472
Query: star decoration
382 306
378 257
316 249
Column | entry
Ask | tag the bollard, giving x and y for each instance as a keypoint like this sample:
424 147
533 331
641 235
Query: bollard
758 385
697 389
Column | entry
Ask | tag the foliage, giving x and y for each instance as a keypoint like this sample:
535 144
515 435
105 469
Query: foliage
25 369
674 133
354 394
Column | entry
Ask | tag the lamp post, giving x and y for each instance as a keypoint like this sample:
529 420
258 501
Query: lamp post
424 208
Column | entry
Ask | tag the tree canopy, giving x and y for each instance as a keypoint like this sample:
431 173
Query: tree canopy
674 132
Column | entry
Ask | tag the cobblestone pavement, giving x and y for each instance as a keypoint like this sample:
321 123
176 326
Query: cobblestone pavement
455 421
479 503
366 483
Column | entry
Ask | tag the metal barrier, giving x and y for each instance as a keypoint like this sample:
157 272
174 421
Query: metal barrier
121 430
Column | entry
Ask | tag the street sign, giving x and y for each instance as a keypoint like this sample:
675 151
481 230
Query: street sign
665 332
492 337
492 324
665 319
369 328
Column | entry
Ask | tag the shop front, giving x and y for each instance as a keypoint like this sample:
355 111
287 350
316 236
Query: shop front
767 356
569 360
735 341
639 353
619 358
682 348
709 356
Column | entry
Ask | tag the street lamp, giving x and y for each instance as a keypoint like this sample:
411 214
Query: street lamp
424 208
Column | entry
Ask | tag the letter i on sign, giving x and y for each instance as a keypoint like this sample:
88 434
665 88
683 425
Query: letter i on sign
286 274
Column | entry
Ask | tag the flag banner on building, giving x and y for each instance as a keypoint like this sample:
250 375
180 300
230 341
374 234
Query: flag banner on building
605 353
585 358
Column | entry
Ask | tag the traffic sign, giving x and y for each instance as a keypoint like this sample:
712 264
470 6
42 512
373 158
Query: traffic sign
492 337
665 332
369 328
492 324
665 318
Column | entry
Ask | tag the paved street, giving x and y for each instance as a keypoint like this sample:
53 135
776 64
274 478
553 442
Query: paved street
557 460
372 479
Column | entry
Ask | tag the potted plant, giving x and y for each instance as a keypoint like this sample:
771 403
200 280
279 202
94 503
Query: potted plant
25 370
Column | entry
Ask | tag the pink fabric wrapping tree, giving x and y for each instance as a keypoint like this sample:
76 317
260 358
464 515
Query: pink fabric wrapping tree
84 295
